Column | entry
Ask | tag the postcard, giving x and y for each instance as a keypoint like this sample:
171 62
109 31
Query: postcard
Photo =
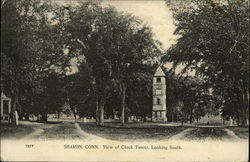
123 80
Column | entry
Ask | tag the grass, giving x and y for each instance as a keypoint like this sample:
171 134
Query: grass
242 132
202 133
114 131
131 132
147 131
15 132
50 130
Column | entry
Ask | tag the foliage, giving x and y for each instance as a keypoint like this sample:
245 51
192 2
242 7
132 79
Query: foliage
214 41
116 49
32 55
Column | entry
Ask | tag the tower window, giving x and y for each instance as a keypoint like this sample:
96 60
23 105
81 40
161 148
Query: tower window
158 101
158 92
158 80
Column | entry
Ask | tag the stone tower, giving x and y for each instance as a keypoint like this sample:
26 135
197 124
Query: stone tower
159 96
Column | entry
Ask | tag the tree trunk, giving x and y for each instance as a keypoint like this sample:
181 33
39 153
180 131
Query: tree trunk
197 120
123 103
238 119
101 110
75 113
113 114
44 118
243 109
97 111
247 104
27 115
172 116
15 95
15 103
44 114
22 115
208 116
191 117
38 117
243 116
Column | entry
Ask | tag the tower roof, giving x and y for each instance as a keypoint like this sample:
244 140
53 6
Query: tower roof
159 72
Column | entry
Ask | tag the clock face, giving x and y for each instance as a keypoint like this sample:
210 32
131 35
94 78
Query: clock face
157 91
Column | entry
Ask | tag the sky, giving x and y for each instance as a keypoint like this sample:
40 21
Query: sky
154 13
157 15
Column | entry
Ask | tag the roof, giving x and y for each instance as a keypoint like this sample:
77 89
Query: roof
4 97
159 72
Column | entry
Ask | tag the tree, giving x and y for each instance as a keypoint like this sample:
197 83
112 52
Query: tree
214 41
134 48
115 47
15 49
32 49
80 95
187 97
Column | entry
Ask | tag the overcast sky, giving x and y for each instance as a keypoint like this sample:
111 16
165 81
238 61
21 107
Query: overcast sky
155 13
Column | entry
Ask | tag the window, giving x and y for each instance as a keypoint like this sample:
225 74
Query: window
158 80
5 107
158 101
158 92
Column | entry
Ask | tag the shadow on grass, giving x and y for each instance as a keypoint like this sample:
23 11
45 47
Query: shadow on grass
48 122
131 132
202 133
9 131
154 131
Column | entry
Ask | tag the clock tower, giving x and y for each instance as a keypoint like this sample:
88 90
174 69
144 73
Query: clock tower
159 111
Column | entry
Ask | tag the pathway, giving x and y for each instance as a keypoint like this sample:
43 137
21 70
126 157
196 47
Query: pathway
70 130
232 135
87 135
38 131
181 135
74 130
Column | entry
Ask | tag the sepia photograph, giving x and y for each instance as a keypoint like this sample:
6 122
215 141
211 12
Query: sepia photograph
124 80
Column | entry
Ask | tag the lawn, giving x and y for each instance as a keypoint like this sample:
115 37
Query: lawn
15 132
114 131
202 133
46 131
152 131
242 132
131 132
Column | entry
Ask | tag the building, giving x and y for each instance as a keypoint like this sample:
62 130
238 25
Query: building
159 110
5 107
